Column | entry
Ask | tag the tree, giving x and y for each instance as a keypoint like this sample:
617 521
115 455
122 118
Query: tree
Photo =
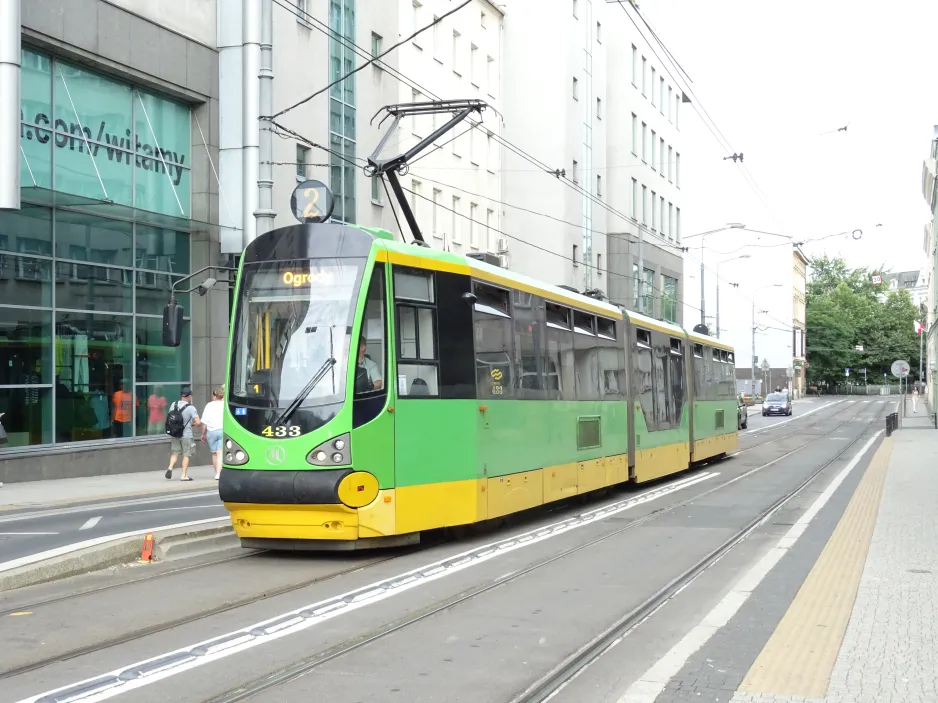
843 310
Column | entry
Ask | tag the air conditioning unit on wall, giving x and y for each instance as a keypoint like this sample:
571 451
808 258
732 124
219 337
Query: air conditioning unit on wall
501 245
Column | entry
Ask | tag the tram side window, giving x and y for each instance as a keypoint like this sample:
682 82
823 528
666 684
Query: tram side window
644 388
527 312
560 368
699 383
418 358
371 363
661 356
492 329
677 381
586 356
611 360
709 367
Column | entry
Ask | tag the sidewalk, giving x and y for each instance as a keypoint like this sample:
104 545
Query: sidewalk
68 491
862 627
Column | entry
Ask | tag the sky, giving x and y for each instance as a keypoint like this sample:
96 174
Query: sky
778 80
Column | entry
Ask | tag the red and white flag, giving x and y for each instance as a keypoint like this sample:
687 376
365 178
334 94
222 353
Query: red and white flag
919 327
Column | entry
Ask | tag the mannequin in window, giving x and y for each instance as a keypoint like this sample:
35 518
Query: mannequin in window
367 373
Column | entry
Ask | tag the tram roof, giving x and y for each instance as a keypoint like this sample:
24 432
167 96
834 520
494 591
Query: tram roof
709 341
433 259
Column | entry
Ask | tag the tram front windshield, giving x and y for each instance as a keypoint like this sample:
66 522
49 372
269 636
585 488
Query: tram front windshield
293 318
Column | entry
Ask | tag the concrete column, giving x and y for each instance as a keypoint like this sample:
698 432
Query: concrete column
10 104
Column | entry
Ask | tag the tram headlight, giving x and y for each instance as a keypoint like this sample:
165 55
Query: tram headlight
234 453
334 452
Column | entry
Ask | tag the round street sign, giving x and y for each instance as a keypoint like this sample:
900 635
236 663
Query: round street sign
900 368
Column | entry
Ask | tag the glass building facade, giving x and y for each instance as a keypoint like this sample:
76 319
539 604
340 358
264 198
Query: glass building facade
87 264
342 110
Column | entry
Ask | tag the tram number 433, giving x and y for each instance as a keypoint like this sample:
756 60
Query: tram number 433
281 431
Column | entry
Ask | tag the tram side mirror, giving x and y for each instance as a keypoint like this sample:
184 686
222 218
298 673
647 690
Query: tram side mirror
172 325
469 298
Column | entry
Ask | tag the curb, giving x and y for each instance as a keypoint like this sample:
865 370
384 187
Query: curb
167 545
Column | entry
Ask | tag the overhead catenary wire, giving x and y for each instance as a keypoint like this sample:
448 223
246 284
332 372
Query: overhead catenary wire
698 107
370 61
540 165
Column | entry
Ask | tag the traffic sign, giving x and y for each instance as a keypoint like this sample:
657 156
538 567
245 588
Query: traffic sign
765 365
900 368
859 347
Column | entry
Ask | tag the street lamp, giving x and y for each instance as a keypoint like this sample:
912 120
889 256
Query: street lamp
703 239
741 256
752 382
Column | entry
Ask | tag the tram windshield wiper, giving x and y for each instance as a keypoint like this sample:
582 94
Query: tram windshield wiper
307 389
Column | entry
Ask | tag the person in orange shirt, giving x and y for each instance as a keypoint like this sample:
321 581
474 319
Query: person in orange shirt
122 411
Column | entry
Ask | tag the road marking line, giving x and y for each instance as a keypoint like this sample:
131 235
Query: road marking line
96 507
749 433
69 548
184 507
799 657
142 673
7 534
91 522
653 682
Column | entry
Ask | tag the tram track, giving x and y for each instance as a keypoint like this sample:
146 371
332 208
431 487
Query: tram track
549 685
150 577
631 620
317 660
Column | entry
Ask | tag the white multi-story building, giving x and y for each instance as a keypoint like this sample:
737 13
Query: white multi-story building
455 190
612 135
609 120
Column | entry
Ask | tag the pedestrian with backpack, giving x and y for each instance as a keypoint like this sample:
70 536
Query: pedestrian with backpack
180 419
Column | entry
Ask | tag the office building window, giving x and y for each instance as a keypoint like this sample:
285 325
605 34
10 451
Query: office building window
635 200
654 157
670 221
670 103
302 163
677 170
644 142
654 210
634 66
645 206
668 298
575 177
677 224
575 90
457 51
670 164
644 76
437 224
661 103
654 75
376 190
342 141
457 220
599 32
634 134
474 225
599 108
661 157
417 16
375 45
599 186
473 65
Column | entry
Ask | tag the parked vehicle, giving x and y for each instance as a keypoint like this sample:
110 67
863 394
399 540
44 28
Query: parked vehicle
776 404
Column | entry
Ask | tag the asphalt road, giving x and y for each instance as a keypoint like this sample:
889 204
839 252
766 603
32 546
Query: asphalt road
27 533
473 629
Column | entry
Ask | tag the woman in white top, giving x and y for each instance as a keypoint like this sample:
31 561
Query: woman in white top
211 427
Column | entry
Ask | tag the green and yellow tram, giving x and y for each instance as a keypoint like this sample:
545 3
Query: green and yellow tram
379 389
